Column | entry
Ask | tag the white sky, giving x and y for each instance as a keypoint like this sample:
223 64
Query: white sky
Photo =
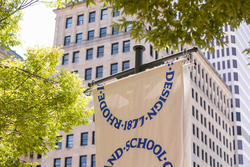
37 28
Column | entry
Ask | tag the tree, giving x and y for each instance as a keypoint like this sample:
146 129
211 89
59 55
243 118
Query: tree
36 102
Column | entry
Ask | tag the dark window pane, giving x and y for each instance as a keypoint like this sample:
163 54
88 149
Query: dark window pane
88 74
240 159
89 54
103 32
227 51
126 46
59 142
104 14
115 30
115 47
233 39
218 53
93 137
229 77
238 118
76 56
114 69
68 22
237 103
69 142
125 65
236 78
128 28
57 162
240 145
236 89
99 72
68 162
234 51
84 139
222 53
93 160
80 19
91 17
234 63
83 161
91 34
79 38
100 51
66 40
65 59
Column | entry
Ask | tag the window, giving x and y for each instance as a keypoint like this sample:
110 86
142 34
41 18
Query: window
100 51
57 162
223 65
240 159
232 39
234 63
103 32
104 14
227 51
93 137
68 22
91 17
128 28
236 78
115 30
59 142
80 19
65 59
115 47
84 139
83 161
91 34
238 118
218 53
240 145
213 55
68 162
39 156
237 103
218 65
126 46
69 142
88 74
93 162
114 69
99 72
228 64
151 50
125 65
67 40
222 53
239 130
78 37
225 28
236 89
89 54
116 13
208 55
75 57
234 51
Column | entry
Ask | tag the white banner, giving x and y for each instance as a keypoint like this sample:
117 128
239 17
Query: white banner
140 120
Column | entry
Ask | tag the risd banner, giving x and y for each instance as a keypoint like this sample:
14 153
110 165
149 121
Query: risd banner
140 120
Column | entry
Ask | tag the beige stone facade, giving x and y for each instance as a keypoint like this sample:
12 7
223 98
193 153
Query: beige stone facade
209 103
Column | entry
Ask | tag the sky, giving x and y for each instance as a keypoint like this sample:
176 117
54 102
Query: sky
37 28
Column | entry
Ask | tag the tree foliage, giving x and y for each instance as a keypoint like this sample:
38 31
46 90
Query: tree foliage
36 102
182 21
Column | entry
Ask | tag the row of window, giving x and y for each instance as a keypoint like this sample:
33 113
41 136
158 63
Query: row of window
82 162
100 52
201 79
211 112
222 53
212 163
70 140
214 131
91 19
91 35
99 70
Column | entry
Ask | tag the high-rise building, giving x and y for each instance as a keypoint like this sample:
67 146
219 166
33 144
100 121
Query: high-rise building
94 50
232 65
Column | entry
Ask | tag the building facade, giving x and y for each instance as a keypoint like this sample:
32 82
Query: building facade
232 64
93 50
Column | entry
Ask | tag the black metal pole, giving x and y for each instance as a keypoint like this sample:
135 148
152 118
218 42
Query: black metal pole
138 56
